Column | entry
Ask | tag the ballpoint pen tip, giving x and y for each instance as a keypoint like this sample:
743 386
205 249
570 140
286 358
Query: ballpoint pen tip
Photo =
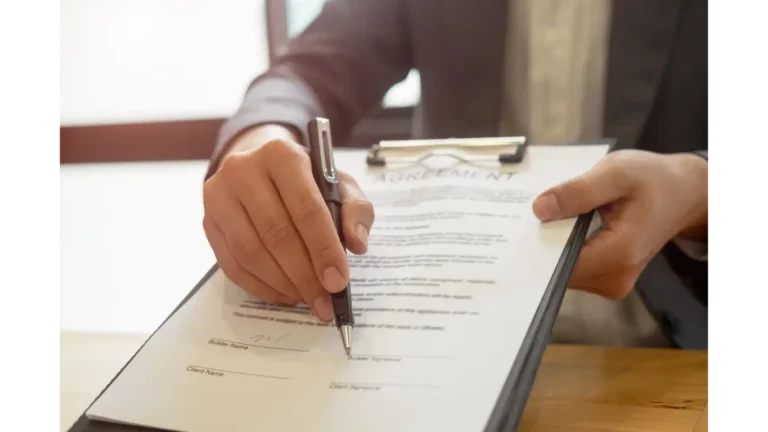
346 338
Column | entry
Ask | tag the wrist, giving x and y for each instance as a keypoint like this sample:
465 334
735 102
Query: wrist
693 172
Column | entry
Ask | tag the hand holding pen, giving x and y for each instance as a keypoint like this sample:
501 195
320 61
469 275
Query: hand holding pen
270 228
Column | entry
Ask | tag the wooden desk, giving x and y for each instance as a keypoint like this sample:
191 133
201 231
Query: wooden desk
610 389
578 389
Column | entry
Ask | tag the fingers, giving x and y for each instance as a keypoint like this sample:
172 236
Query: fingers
280 238
611 287
242 244
609 262
236 273
271 229
285 243
357 214
605 183
309 214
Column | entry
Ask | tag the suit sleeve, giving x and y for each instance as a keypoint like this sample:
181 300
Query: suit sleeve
340 68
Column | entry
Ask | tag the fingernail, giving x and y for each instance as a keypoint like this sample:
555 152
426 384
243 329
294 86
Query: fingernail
362 234
323 309
332 280
286 300
545 207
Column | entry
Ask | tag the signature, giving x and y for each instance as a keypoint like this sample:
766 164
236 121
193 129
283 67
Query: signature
275 339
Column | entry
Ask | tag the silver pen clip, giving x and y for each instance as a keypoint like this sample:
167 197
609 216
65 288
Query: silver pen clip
326 150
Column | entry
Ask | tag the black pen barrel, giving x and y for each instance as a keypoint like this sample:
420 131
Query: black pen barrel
342 308
324 172
342 302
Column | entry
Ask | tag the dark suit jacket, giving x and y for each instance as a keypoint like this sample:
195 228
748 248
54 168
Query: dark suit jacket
347 59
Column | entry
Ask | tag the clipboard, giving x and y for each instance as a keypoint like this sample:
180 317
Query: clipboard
502 150
514 394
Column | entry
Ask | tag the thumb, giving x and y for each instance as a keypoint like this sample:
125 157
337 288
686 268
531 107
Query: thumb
356 213
596 188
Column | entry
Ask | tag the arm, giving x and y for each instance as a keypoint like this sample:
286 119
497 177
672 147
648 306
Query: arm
339 68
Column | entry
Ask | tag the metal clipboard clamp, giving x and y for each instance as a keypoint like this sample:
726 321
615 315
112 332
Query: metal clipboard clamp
504 150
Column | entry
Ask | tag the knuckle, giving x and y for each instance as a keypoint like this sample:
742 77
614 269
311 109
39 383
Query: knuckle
233 162
276 232
618 170
274 146
235 168
301 158
584 186
326 254
306 208
577 193
283 151
246 252
278 148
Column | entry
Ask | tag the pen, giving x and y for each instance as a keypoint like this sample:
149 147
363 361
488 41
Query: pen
324 172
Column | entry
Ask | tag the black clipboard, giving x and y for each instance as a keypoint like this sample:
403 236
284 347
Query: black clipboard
513 397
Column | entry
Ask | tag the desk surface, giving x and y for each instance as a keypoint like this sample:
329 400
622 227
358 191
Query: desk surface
578 389
132 241
618 389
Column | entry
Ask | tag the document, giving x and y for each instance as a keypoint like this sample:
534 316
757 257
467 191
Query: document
456 268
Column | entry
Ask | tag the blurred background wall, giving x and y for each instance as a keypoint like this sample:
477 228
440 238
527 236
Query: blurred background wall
153 80
139 60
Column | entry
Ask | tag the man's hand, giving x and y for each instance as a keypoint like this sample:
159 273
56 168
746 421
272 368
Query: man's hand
269 227
644 200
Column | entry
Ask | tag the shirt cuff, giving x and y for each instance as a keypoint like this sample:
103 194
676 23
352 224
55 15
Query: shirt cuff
695 250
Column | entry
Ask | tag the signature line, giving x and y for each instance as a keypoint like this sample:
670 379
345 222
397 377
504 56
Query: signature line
403 356
240 373
261 346
384 384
